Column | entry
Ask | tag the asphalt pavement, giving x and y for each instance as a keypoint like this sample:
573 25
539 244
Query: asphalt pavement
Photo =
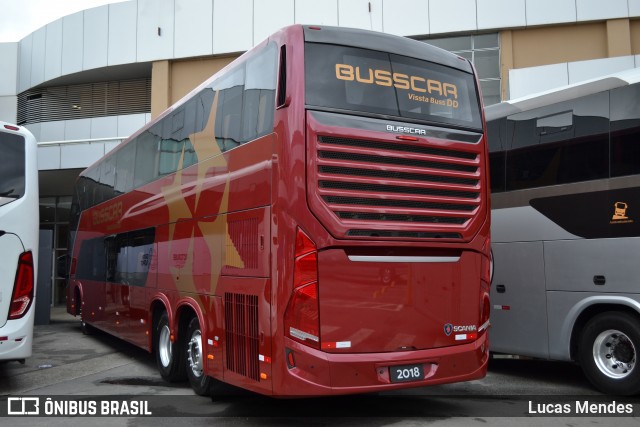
69 365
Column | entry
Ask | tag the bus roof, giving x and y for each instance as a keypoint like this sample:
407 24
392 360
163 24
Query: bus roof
375 40
562 93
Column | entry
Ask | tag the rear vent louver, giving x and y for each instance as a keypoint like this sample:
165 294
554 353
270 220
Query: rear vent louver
242 337
398 189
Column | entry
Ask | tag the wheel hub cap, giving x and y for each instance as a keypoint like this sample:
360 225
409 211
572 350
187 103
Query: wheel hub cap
614 354
194 353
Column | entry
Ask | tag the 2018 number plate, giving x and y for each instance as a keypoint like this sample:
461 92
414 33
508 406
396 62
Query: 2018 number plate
406 373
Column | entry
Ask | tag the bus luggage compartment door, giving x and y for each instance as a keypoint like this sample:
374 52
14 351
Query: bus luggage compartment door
381 304
518 299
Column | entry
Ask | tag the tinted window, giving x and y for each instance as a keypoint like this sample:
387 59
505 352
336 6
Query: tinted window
12 167
382 83
259 94
129 257
92 260
125 160
147 148
496 134
625 131
558 144
246 100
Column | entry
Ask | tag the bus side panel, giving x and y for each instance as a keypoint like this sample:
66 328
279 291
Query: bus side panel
565 307
213 337
612 259
519 315
94 299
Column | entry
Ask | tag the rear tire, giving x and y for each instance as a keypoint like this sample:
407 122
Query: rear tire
168 354
608 352
194 360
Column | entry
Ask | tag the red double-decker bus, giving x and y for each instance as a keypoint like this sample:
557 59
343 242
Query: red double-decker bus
312 220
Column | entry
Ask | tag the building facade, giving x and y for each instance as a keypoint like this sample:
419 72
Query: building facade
85 82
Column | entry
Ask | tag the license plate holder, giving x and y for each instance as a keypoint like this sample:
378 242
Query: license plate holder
406 373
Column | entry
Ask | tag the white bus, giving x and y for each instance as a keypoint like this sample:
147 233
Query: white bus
19 223
565 178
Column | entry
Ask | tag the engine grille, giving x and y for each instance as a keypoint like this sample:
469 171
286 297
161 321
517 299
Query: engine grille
400 188
241 324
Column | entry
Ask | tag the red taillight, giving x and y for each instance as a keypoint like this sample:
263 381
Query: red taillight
22 296
485 312
305 269
304 244
302 317
14 128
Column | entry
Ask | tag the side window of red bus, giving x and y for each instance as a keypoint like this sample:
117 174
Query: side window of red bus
260 94
125 160
129 256
246 100
147 150
92 261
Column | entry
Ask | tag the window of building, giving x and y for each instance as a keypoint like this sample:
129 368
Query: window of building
483 50
82 101
55 214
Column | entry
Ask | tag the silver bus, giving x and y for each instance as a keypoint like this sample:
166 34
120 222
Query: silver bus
565 178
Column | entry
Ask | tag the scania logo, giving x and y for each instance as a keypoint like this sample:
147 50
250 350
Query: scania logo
405 129
448 328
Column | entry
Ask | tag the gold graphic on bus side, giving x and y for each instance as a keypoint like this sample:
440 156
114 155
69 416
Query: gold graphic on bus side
620 214
110 213
620 211
400 81
213 229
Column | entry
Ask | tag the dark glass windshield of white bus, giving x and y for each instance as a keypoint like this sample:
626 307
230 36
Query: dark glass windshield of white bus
12 169
365 81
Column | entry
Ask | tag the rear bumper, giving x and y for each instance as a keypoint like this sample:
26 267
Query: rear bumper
16 338
319 373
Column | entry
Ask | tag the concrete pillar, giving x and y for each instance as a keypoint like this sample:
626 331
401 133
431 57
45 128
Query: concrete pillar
160 87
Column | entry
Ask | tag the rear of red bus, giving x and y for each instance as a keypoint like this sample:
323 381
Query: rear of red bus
381 216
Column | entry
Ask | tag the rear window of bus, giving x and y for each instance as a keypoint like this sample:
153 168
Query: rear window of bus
367 81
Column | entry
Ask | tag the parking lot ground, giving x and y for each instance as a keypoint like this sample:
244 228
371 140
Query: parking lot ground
67 363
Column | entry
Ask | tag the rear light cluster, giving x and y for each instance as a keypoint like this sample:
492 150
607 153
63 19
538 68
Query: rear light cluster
302 317
485 283
23 287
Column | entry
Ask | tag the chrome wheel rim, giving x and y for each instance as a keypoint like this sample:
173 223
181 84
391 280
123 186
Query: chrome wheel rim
614 354
164 346
194 353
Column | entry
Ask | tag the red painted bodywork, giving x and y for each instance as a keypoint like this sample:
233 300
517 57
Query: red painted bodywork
391 313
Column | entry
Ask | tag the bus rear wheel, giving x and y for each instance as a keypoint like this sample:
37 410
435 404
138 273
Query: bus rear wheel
167 351
194 360
608 352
